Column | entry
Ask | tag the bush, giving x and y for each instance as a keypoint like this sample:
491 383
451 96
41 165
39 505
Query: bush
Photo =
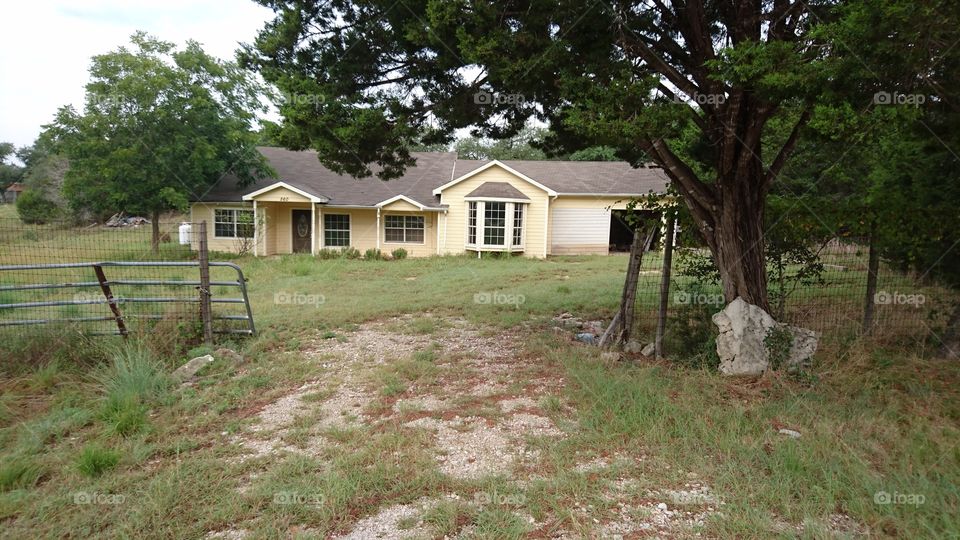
691 336
350 253
94 460
399 253
33 208
373 255
327 253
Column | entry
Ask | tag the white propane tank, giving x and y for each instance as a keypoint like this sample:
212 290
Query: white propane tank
184 234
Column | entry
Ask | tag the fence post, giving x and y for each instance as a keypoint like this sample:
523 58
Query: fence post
873 267
665 285
204 256
111 301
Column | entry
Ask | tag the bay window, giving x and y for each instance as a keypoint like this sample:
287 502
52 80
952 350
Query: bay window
495 225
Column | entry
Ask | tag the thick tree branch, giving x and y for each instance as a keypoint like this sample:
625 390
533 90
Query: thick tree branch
784 154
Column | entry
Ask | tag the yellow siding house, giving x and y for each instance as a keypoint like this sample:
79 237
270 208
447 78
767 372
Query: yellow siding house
440 206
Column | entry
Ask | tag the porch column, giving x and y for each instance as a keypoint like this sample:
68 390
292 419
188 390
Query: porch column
256 229
313 228
378 227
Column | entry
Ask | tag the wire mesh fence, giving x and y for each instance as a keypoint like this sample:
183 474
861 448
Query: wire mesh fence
114 279
831 300
829 297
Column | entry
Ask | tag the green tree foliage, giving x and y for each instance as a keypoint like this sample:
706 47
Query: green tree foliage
10 172
520 146
33 207
159 127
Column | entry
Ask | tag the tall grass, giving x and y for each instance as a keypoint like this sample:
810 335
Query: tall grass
130 384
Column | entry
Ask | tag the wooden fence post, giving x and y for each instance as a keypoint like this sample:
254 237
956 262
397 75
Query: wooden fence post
204 289
665 285
111 300
873 267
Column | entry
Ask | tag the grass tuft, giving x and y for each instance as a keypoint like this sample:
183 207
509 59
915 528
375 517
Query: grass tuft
19 473
94 460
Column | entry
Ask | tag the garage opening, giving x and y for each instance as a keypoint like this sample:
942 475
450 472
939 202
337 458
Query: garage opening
621 236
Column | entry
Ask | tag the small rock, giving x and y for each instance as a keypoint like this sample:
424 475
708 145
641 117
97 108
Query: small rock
609 356
662 507
633 347
587 337
789 433
649 349
188 370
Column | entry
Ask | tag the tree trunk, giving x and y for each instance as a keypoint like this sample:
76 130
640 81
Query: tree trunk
737 241
950 346
873 266
729 211
155 226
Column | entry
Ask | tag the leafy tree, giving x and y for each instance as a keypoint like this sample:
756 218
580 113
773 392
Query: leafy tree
595 153
689 85
159 126
33 207
10 172
520 146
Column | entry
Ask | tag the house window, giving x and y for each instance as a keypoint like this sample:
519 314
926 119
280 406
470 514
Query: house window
494 223
404 229
517 224
232 223
472 223
336 230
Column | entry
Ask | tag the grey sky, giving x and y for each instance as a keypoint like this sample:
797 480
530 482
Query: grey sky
46 45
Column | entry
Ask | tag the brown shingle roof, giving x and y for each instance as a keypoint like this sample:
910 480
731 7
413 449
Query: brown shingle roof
433 169
583 177
500 190
304 171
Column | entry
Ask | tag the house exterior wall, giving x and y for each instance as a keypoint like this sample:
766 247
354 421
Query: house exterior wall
429 245
204 212
447 229
535 221
280 225
589 243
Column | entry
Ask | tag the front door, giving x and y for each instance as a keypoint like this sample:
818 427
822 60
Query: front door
301 231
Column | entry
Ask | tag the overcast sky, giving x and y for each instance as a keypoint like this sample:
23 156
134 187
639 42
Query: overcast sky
46 45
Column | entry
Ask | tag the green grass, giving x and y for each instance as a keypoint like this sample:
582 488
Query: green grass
94 461
19 473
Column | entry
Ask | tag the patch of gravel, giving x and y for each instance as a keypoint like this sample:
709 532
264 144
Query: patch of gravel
385 524
343 408
656 518
510 405
470 448
427 403
697 494
486 389
532 424
281 412
229 534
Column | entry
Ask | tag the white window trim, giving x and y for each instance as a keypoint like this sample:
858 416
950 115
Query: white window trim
324 231
234 209
507 245
384 230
